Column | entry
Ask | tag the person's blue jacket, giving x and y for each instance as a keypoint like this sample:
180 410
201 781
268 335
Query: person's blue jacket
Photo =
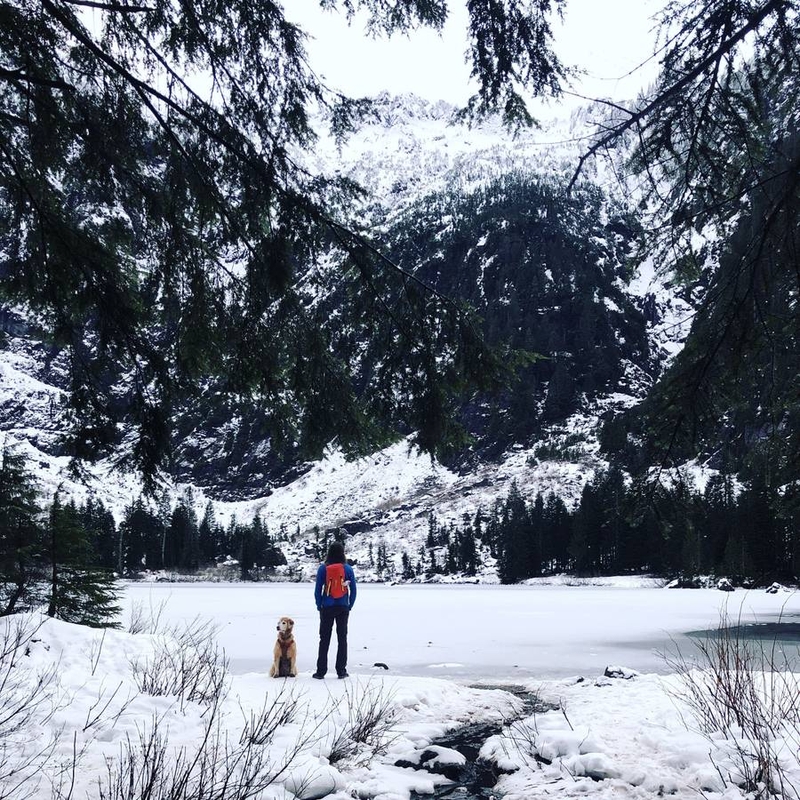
326 601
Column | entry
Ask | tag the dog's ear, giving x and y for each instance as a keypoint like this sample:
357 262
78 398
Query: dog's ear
290 621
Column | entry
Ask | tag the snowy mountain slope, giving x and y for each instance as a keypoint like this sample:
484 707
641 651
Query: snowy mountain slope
31 389
387 498
408 151
412 147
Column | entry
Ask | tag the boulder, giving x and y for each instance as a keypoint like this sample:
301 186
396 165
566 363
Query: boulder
624 673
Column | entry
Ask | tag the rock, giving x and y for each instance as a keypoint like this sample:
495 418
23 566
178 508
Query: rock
381 665
724 585
624 673
597 766
436 759
774 588
691 582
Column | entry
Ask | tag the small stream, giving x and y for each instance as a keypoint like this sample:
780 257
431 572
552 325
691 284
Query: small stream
475 779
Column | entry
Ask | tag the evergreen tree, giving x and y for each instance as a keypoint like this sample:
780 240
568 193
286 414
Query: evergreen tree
431 540
155 173
451 557
757 505
79 591
183 551
514 530
209 537
257 552
719 156
789 526
20 536
142 540
536 535
584 547
614 531
477 524
420 567
408 570
719 522
98 521
492 535
556 537
158 549
382 564
249 551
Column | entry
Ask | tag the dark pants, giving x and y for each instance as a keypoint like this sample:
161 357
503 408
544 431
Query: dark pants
327 616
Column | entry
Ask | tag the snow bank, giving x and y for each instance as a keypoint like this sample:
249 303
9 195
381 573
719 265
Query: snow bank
90 719
618 738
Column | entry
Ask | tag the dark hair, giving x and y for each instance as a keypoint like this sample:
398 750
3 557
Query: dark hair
335 554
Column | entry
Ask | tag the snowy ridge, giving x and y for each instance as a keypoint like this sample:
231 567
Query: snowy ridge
30 400
670 317
413 147
388 497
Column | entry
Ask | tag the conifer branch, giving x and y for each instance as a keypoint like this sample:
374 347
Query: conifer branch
18 76
675 88
117 8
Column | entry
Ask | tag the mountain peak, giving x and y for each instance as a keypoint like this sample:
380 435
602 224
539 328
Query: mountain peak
394 109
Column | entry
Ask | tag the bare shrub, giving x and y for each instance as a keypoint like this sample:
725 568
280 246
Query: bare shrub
99 712
146 619
186 663
746 691
371 715
218 767
527 741
20 698
260 728
25 699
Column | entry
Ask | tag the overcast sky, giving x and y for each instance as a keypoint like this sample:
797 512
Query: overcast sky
608 38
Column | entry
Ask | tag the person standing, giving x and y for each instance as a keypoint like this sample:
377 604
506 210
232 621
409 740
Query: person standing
335 596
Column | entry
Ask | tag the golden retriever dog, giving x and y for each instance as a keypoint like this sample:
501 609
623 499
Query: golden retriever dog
284 654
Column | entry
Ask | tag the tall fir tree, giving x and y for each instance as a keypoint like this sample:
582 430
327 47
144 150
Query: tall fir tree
98 521
209 538
21 566
79 591
514 539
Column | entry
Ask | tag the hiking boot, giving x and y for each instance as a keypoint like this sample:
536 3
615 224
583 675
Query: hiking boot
342 674
319 676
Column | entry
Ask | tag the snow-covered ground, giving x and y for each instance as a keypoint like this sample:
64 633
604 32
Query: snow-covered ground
609 737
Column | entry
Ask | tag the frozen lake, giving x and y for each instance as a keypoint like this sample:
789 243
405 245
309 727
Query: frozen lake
468 632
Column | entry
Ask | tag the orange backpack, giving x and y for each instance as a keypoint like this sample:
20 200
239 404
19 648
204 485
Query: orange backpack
335 584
